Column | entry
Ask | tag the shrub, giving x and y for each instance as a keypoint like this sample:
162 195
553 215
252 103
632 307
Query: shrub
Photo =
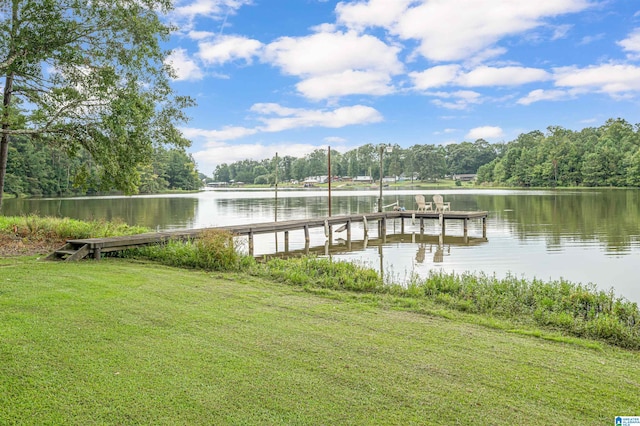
213 250
322 272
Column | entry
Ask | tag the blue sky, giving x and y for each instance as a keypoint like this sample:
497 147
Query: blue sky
291 76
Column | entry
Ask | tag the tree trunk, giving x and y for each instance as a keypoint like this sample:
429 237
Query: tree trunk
4 138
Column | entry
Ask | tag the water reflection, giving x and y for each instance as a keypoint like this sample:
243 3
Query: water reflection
425 243
162 213
582 236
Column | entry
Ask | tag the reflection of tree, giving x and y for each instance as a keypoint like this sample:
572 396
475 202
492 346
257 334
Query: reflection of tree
150 212
611 217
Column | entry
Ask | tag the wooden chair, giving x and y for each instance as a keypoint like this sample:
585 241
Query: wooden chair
423 206
441 206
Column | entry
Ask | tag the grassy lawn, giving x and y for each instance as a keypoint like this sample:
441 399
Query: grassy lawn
124 342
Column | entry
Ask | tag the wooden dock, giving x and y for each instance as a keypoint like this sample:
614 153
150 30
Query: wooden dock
94 247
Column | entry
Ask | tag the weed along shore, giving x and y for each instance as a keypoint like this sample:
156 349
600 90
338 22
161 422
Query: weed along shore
195 333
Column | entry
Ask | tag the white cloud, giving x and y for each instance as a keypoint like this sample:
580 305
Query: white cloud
290 118
336 64
184 67
460 100
591 39
561 31
438 76
631 44
318 54
505 76
452 75
200 35
455 29
484 55
276 118
346 83
613 79
227 133
544 95
214 154
228 48
208 8
485 132
372 13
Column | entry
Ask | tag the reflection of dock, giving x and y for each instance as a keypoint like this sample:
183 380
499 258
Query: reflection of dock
344 246
78 249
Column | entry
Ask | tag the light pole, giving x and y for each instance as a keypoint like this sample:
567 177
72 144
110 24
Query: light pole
383 147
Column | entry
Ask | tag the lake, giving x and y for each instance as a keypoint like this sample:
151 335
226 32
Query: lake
579 235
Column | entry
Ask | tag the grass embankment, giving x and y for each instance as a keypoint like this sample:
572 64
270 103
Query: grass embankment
34 234
37 227
121 342
557 306
134 342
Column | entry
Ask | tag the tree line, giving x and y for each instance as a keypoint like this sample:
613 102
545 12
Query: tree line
37 169
427 162
604 156
608 155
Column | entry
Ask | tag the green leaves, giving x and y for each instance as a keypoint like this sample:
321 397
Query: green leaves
91 75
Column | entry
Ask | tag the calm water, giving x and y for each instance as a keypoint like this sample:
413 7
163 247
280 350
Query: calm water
581 236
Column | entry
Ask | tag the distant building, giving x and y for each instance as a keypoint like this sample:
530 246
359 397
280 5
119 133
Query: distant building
465 177
217 184
316 179
363 179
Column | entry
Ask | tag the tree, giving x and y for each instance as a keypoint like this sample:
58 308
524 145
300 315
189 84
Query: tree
222 173
181 171
89 75
430 161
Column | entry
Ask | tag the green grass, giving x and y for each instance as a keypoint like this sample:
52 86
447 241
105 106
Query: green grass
126 342
33 226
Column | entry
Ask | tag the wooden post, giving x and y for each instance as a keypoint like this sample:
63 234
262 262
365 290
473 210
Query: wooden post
422 225
442 223
402 225
484 227
365 225
349 231
466 226
286 240
250 243
306 236
97 253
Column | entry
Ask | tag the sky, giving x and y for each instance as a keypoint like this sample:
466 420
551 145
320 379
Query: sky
292 76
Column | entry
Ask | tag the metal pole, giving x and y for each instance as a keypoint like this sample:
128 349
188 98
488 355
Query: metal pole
329 166
380 199
275 208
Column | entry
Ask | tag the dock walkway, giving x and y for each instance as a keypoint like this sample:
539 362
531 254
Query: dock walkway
77 249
